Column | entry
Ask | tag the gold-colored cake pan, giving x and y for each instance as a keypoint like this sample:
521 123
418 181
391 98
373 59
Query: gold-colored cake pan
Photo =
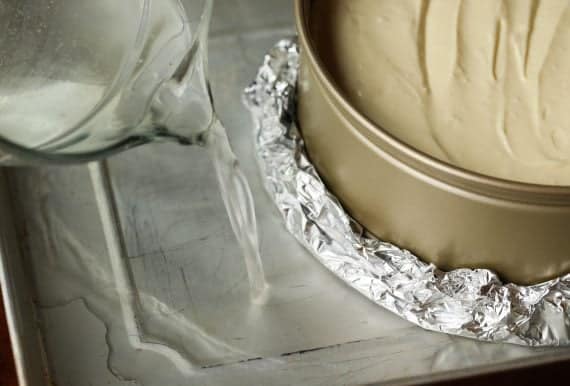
448 216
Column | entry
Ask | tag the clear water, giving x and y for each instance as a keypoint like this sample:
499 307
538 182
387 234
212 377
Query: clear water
239 203
233 184
29 116
81 76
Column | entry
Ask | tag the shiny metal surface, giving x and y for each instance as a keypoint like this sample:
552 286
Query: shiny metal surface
315 330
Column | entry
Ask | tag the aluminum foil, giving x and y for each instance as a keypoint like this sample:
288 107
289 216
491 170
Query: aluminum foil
465 302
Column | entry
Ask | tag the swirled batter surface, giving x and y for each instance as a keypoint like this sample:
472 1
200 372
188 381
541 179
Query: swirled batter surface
482 84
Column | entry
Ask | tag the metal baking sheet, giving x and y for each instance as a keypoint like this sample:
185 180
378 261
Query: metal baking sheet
195 323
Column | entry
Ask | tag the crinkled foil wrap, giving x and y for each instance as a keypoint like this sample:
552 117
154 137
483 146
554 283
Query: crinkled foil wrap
465 302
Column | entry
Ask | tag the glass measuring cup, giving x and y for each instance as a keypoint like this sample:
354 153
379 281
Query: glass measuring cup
82 79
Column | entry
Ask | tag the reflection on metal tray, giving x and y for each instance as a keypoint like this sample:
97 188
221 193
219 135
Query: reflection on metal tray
66 317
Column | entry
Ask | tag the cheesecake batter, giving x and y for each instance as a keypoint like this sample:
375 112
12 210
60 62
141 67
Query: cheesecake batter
482 84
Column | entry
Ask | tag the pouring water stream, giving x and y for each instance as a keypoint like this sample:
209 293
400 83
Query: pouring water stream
239 204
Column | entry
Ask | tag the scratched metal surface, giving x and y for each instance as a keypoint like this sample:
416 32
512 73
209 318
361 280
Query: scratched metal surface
191 282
